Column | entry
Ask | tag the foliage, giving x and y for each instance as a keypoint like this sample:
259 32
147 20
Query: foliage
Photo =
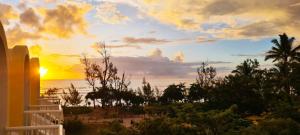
283 51
90 77
115 128
206 76
248 68
210 105
72 97
196 93
51 92
173 93
187 119
284 54
147 92
274 127
77 110
242 88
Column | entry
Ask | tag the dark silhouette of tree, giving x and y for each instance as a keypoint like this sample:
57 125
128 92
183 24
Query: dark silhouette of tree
72 97
51 92
248 68
206 76
196 93
90 77
147 92
105 73
284 54
118 85
173 93
295 78
283 51
205 81
242 88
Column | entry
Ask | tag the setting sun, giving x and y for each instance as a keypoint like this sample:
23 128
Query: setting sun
43 71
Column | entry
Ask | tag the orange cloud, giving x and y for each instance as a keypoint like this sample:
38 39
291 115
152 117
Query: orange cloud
132 40
243 19
65 20
202 39
6 13
29 17
179 57
17 35
98 47
155 53
107 12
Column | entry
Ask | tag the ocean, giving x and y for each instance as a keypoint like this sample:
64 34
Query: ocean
83 87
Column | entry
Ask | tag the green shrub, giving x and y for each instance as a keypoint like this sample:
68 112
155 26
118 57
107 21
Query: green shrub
164 126
274 127
116 128
77 110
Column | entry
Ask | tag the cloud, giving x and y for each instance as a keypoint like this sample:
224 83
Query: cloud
22 5
61 21
50 1
65 20
159 67
156 65
155 53
6 13
242 19
250 55
98 47
295 4
202 39
107 12
132 40
29 17
251 19
17 35
179 57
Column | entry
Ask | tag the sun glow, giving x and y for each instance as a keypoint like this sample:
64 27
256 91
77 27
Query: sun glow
43 71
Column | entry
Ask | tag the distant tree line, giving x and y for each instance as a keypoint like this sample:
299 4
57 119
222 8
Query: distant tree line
250 87
250 101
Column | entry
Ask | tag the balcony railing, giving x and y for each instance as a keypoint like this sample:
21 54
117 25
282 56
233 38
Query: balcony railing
43 119
36 130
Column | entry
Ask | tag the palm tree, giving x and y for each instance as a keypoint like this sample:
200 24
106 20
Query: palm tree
283 51
247 68
285 54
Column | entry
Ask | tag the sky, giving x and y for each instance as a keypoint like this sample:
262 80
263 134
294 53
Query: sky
151 38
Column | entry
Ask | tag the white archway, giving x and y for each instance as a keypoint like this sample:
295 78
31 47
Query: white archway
34 81
3 80
19 84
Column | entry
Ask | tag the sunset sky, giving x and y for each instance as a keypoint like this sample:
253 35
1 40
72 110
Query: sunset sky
153 38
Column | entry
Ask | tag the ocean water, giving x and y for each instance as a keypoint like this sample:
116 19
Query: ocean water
83 87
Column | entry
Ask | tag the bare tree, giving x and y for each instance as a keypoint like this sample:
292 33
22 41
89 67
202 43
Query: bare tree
90 76
119 85
105 73
206 75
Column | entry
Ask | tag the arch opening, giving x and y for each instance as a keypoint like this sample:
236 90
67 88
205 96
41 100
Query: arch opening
26 82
